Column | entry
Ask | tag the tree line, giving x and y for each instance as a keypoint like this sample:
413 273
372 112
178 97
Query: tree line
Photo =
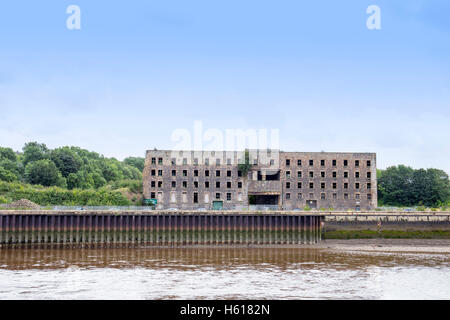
405 186
68 169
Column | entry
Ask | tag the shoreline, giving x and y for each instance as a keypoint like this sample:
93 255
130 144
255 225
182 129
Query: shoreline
440 246
387 245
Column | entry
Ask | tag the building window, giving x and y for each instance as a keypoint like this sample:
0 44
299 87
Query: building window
160 160
239 184
369 186
345 174
334 163
288 185
228 184
357 196
174 184
229 161
368 163
288 162
299 185
218 195
153 160
206 161
217 173
311 174
195 197
299 174
368 175
357 174
345 196
356 163
195 184
322 163
159 184
288 174
345 163
322 174
299 196
334 185
206 173
159 172
206 184
288 195
184 161
334 196
345 185
217 184
153 172
322 185
228 173
229 196
322 196
184 173
152 195
217 162
369 196
311 162
184 184
299 162
272 162
153 184
334 174
195 173
311 185
174 173
239 173
195 161
173 161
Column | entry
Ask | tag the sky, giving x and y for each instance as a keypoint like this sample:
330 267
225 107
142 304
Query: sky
137 71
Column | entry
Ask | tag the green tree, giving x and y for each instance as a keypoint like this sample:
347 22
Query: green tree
135 162
33 151
44 172
8 153
6 175
67 161
404 186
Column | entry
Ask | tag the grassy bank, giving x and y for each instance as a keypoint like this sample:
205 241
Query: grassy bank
47 196
387 234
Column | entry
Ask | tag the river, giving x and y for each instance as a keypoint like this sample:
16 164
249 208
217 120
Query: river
222 273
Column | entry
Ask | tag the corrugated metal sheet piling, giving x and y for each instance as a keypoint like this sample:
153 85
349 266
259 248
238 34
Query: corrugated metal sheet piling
157 228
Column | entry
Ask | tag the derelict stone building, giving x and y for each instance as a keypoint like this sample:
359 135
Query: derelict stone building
274 180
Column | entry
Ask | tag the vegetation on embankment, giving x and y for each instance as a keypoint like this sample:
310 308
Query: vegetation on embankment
69 176
386 234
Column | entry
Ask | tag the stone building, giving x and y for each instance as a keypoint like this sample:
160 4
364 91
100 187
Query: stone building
274 180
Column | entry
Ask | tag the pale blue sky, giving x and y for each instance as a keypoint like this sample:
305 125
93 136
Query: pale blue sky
137 71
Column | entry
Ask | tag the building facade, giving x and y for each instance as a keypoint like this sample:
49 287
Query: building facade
272 180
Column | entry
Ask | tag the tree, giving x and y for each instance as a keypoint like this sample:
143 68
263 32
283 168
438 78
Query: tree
8 153
6 175
44 172
135 162
33 151
404 186
66 160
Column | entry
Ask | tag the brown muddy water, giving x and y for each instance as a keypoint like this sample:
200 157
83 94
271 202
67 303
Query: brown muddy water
221 273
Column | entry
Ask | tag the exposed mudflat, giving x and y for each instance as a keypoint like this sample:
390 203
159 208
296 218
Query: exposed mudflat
388 245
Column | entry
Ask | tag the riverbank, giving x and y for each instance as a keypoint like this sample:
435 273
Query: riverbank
387 245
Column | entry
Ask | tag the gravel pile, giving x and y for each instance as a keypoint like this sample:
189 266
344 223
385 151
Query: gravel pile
23 204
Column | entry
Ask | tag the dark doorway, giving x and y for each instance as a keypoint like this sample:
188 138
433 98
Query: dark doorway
263 199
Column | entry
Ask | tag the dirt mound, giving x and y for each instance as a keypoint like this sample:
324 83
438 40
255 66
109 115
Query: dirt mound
23 204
